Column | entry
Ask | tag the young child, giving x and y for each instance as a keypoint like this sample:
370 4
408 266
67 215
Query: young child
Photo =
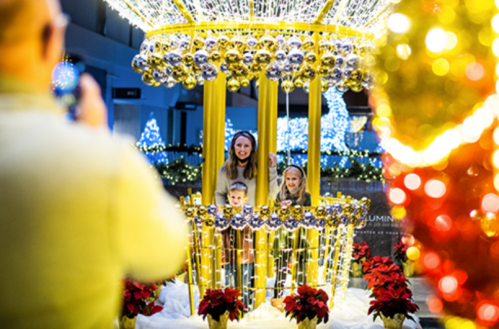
293 189
237 198
293 192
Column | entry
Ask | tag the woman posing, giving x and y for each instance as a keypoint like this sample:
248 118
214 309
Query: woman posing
242 167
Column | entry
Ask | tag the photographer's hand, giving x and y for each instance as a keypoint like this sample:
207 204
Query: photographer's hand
92 109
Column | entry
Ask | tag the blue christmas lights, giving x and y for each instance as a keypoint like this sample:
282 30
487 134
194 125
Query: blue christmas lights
151 137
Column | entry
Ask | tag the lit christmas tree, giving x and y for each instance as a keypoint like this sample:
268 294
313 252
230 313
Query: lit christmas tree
335 124
150 137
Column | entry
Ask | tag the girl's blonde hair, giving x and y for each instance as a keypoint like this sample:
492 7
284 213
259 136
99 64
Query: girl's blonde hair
284 192
230 166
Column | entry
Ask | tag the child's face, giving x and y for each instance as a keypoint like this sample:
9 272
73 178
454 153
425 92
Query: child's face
293 179
237 198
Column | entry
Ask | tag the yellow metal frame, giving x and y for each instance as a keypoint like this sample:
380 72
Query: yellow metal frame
251 26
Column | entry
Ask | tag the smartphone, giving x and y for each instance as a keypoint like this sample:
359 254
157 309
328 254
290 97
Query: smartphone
65 82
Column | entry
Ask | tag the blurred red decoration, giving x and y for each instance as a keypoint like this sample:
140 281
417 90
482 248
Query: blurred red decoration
452 218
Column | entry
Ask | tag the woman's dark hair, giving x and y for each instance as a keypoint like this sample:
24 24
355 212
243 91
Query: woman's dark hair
230 166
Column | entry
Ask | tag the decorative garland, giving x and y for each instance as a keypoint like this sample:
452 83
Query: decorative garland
180 171
199 149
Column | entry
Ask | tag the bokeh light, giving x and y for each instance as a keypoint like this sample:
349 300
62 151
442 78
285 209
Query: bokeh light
397 196
490 203
440 67
435 188
434 303
472 129
488 313
436 40
403 51
408 239
431 260
448 284
443 223
412 181
399 23
413 253
475 71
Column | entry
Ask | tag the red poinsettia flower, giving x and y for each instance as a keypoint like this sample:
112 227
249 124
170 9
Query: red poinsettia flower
218 302
308 303
134 297
361 251
151 309
400 253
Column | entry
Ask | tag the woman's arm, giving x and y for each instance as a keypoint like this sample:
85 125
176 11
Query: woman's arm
222 189
273 188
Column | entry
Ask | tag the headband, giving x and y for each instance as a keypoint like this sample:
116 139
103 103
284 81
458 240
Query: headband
302 171
246 134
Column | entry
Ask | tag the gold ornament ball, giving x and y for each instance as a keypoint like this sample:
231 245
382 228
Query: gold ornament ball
287 86
263 57
157 46
310 57
325 46
324 86
356 87
308 43
189 83
238 43
298 83
255 68
165 46
188 59
307 72
155 60
136 68
223 41
238 70
148 79
323 71
233 85
215 57
245 82
179 73
198 42
232 57
490 225
356 75
267 41
196 69
328 60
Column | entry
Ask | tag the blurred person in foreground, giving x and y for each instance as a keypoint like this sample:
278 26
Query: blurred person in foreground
78 208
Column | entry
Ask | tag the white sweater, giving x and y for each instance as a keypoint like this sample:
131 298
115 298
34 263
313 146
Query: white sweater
224 183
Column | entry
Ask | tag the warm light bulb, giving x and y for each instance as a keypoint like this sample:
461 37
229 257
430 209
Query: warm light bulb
436 40
399 23
412 181
435 188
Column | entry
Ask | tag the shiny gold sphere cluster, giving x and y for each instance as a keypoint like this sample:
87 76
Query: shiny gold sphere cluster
340 214
294 60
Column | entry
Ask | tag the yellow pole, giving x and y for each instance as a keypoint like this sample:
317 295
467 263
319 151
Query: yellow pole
295 260
212 106
219 159
314 166
272 117
189 273
267 98
335 267
326 252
